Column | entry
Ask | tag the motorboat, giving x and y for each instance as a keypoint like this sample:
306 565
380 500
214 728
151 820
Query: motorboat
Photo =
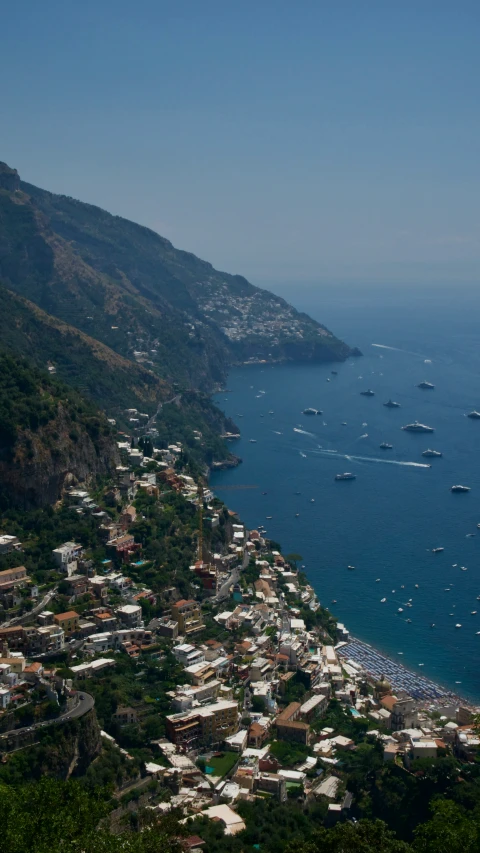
437 550
391 404
346 476
460 489
310 411
431 454
427 386
416 427
475 416
368 393
386 446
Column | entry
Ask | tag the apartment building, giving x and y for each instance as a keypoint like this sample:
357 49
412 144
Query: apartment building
203 726
188 615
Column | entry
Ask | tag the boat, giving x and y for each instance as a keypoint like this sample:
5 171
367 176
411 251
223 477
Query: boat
351 568
297 514
408 620
400 609
391 404
335 372
430 454
310 411
344 423
458 625
460 489
368 393
437 550
473 612
427 386
253 441
475 416
382 600
346 476
416 427
386 446
312 500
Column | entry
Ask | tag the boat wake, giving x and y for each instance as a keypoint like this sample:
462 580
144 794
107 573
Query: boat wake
304 432
398 349
351 457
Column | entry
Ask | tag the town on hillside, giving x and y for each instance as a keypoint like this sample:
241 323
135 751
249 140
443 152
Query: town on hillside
200 652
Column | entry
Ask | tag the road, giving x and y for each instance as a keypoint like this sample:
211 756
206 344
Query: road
28 614
151 421
83 706
232 578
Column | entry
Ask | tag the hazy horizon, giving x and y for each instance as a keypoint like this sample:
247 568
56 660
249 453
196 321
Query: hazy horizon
287 143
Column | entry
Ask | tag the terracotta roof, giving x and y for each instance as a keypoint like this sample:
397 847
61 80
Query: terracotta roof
389 702
257 729
69 614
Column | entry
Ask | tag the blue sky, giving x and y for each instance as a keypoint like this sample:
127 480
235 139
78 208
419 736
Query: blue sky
289 141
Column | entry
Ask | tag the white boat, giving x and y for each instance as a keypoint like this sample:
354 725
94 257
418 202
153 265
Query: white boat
458 625
416 427
346 476
253 441
475 416
382 600
460 488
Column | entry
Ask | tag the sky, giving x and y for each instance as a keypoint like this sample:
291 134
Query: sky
291 141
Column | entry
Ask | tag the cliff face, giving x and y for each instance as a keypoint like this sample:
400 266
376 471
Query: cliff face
53 456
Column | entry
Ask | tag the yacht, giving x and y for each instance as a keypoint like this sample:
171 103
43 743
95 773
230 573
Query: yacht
475 416
391 404
427 386
346 476
460 489
386 446
458 625
437 550
351 568
430 454
368 393
309 411
416 427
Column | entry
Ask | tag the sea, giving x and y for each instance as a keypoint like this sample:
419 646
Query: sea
388 520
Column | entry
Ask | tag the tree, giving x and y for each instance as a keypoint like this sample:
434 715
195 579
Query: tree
293 559
363 837
450 830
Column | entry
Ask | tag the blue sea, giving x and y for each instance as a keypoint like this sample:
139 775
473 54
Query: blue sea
388 520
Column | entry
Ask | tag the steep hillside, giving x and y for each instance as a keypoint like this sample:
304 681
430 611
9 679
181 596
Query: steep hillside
128 287
48 435
112 381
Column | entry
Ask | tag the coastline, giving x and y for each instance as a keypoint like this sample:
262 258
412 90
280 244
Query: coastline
378 664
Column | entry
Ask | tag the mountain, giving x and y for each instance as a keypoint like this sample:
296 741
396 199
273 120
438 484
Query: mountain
112 381
129 288
49 435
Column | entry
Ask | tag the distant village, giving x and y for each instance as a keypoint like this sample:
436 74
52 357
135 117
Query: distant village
236 701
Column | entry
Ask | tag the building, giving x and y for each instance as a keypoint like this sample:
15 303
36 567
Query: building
188 615
65 554
68 622
313 707
130 615
13 577
9 543
187 654
203 726
125 716
289 727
